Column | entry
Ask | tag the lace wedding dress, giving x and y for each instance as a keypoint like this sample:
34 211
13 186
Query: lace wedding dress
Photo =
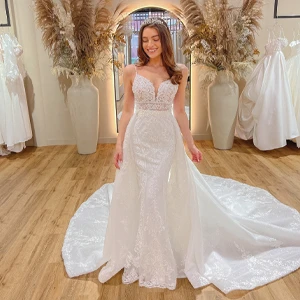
266 111
162 220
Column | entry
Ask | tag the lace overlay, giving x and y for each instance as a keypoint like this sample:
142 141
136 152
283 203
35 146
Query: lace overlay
167 221
276 44
145 97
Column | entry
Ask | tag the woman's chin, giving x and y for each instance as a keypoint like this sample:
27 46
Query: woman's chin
153 55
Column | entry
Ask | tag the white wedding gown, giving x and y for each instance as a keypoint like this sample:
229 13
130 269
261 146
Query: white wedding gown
15 127
266 111
161 219
293 71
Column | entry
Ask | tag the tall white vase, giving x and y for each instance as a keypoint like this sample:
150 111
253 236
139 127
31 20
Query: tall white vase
223 96
83 103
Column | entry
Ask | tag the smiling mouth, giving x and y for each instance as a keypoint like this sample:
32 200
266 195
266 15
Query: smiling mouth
151 50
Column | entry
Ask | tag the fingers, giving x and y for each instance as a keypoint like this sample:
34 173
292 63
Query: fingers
200 156
197 157
118 158
121 156
116 163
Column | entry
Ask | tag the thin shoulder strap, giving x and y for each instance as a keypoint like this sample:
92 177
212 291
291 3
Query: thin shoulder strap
135 69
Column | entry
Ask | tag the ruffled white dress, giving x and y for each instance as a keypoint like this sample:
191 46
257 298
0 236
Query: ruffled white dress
266 111
161 219
15 127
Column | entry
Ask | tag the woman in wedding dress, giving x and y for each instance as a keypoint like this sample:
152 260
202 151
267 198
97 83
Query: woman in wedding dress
161 219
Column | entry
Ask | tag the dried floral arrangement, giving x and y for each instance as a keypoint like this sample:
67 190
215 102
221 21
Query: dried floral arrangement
220 36
78 34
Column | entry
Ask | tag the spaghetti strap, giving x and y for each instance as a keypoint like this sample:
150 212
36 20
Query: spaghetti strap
136 72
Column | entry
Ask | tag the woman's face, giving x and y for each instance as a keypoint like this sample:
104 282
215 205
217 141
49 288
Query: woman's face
151 42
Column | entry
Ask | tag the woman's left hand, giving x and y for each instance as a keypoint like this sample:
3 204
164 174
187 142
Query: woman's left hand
196 154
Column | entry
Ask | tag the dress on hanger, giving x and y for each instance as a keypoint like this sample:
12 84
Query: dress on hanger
15 126
293 71
162 219
266 111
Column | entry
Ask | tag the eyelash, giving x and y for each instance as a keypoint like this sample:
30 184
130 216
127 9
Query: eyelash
153 40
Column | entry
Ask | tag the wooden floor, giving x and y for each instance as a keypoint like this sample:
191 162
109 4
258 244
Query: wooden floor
41 188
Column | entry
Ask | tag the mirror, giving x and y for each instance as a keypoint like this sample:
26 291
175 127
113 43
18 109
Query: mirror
127 54
287 9
4 13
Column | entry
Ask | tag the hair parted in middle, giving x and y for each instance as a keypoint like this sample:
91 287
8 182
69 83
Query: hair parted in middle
168 59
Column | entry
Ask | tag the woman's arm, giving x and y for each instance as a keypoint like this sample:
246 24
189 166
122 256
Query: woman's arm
127 112
181 117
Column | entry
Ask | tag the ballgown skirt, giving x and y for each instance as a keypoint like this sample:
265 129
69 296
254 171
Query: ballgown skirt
162 219
266 111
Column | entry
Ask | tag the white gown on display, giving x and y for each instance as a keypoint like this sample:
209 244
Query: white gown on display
266 111
15 126
162 219
293 71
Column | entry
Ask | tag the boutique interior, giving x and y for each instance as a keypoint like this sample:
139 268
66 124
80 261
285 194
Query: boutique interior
46 94
43 179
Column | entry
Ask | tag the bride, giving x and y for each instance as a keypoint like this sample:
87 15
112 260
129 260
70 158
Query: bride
161 219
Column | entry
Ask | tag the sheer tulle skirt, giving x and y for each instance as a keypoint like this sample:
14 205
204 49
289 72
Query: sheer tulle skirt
162 220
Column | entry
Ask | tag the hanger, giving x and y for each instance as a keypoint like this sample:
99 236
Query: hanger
277 30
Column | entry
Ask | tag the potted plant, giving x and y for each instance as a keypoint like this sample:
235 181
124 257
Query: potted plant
78 35
222 40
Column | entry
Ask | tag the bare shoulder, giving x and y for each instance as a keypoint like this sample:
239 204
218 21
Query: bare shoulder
183 68
129 71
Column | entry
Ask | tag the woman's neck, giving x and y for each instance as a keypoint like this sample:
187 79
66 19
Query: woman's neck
155 62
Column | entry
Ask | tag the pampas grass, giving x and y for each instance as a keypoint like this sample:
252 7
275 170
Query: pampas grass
79 34
220 36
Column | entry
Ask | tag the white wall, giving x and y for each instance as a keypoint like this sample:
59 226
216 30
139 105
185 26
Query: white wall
46 93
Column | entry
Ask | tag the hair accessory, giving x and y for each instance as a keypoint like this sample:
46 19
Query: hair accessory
153 21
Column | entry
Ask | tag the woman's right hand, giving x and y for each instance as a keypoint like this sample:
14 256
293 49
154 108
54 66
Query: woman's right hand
118 157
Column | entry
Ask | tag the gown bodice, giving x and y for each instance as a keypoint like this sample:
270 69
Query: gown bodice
146 98
295 45
276 44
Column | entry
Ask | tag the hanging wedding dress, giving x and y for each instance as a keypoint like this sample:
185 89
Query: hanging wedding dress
161 219
293 71
266 111
15 126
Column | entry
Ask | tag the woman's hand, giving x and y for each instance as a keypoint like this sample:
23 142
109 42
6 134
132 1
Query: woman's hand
196 153
118 157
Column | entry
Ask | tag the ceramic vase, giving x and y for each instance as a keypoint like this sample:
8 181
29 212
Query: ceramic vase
83 104
223 96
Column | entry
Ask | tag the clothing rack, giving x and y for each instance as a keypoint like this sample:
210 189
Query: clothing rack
7 15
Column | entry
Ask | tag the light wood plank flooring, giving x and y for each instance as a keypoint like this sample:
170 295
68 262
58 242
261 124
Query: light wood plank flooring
41 188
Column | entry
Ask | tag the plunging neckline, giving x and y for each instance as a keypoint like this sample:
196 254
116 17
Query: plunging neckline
148 80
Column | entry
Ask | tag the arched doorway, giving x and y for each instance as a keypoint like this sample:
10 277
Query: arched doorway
127 54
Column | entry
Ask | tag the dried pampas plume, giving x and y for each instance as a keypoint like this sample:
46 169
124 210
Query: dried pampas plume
221 36
49 22
78 34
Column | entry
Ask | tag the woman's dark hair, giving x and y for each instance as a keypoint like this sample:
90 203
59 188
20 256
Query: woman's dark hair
168 59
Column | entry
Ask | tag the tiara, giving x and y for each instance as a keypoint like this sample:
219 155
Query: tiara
153 21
